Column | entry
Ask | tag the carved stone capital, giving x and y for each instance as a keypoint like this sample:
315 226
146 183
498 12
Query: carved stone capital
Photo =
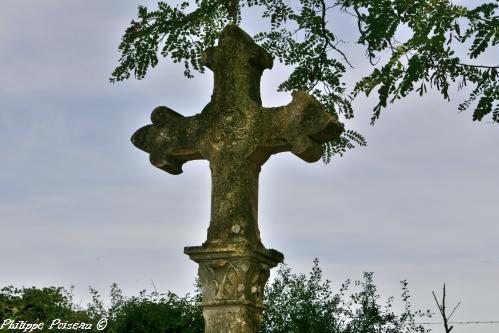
233 281
233 273
233 278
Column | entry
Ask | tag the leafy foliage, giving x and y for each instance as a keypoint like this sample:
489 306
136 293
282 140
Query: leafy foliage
300 304
306 304
296 303
298 35
34 305
181 36
155 313
428 57
146 313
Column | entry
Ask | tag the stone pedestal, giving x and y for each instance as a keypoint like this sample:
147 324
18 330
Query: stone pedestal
233 278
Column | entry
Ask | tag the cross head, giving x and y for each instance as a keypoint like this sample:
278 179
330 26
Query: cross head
236 134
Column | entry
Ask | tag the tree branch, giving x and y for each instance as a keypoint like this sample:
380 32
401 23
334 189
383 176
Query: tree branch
327 42
478 66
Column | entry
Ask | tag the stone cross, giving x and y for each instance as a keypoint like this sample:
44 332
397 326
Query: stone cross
236 135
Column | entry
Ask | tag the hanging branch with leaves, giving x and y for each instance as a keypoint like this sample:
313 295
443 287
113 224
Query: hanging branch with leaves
298 36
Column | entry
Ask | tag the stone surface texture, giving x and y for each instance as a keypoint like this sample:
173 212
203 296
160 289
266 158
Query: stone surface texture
236 135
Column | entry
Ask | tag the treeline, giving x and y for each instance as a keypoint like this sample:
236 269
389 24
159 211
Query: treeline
300 303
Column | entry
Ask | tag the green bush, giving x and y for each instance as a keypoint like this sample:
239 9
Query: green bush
33 305
162 313
306 304
297 303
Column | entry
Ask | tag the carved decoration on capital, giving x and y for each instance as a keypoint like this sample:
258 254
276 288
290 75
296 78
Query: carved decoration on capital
234 280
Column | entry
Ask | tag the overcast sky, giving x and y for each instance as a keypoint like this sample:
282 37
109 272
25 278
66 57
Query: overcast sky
79 205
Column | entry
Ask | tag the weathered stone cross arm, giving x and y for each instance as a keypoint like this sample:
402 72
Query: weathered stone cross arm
171 139
301 127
